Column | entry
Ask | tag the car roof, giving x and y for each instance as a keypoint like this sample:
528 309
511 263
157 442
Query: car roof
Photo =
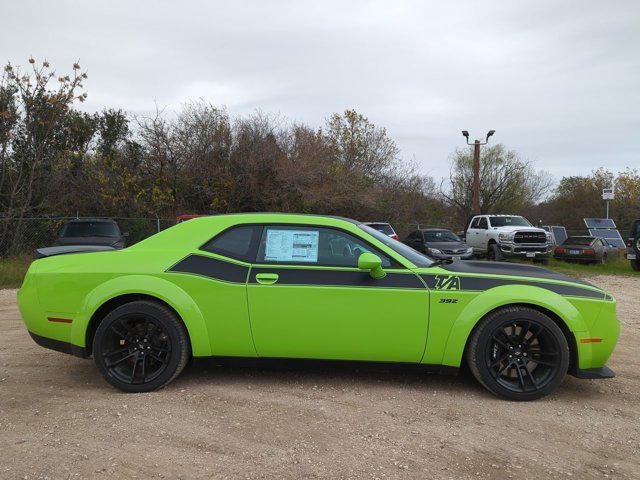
284 214
81 220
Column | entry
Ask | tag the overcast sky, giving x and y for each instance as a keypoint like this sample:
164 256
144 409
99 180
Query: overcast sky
559 81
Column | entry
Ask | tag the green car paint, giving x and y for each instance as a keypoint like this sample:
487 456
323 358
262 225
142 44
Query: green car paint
239 308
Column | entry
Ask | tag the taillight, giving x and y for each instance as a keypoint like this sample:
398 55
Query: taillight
589 251
560 250
395 236
629 242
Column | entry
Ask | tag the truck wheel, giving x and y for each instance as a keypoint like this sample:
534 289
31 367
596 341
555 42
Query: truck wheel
494 253
141 346
635 265
518 353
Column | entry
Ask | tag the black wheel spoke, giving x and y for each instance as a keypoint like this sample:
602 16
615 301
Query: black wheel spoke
118 362
533 380
499 361
543 362
133 370
521 377
116 352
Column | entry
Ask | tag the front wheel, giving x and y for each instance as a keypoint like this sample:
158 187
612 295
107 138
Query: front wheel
494 254
518 353
141 346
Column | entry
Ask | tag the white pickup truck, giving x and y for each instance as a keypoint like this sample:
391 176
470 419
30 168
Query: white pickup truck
503 236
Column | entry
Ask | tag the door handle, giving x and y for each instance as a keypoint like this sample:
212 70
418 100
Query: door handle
266 278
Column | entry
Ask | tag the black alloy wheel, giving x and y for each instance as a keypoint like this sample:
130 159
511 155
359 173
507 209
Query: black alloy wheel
140 346
518 353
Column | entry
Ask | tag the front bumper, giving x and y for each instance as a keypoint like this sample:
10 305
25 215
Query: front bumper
526 250
447 256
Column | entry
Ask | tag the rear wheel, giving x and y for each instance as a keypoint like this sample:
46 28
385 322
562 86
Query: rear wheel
518 353
635 265
140 346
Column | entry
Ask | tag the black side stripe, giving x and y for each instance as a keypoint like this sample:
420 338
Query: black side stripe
211 268
339 278
480 284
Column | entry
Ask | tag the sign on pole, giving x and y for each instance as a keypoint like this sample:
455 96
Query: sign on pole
607 194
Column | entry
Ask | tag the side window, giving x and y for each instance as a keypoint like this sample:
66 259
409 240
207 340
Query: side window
474 222
482 223
236 242
302 245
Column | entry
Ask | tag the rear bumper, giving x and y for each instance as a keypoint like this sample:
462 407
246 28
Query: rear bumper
594 373
60 346
581 258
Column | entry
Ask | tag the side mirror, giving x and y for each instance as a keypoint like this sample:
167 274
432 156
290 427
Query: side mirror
371 262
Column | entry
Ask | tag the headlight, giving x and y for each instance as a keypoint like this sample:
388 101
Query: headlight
434 250
469 250
505 236
549 237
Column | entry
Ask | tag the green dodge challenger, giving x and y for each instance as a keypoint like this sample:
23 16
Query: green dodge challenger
283 286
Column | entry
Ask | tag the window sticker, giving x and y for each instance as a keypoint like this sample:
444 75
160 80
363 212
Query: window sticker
292 246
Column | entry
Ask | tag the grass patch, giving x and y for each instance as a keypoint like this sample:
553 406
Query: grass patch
615 266
12 270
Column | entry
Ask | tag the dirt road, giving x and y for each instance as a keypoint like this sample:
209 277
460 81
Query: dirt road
59 419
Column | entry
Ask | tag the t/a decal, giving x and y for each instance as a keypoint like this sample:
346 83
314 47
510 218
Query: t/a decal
447 282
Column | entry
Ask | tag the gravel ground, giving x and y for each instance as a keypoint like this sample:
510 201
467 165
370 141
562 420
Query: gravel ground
59 419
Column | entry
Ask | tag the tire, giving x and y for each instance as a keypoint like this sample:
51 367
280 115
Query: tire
494 253
141 346
513 366
635 265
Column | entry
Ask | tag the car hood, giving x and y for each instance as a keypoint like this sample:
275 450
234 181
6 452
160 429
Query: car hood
509 269
86 240
511 228
447 245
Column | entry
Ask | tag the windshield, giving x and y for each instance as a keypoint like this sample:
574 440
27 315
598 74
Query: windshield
578 241
418 259
509 222
382 227
441 236
90 229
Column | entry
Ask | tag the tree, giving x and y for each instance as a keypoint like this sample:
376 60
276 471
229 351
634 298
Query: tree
507 182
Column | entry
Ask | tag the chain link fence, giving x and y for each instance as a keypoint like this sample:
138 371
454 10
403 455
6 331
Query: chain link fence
21 236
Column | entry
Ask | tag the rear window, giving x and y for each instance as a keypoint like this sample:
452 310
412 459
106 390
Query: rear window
586 241
382 227
90 229
509 222
237 242
441 236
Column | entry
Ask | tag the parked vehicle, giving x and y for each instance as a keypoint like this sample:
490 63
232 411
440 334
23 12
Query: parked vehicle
185 217
439 243
384 228
584 250
633 246
91 231
272 286
508 236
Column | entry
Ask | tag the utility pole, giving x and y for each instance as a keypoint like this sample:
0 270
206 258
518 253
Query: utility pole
476 168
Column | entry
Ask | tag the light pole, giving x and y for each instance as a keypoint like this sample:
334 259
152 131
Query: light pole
476 168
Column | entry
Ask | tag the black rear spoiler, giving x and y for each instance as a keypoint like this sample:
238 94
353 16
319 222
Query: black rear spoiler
64 249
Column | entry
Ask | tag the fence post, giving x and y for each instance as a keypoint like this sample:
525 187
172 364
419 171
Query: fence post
158 222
